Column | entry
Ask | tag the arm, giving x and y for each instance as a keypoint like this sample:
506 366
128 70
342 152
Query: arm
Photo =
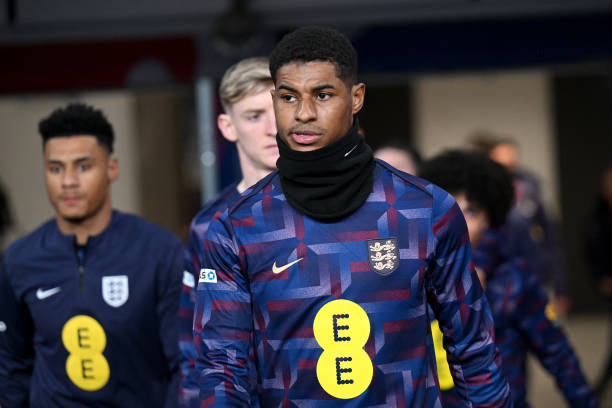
223 326
189 390
168 286
550 345
16 347
458 301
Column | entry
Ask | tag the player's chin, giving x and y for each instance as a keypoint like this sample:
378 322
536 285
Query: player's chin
74 215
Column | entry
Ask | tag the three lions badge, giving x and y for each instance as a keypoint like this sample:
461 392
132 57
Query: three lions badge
115 290
383 255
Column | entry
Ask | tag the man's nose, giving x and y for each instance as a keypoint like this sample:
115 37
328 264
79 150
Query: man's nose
306 111
70 178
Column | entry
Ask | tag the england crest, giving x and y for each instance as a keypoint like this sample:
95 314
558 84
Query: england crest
115 290
383 255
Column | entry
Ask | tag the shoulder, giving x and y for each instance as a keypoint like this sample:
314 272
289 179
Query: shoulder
423 188
28 245
132 226
511 278
217 205
269 185
408 179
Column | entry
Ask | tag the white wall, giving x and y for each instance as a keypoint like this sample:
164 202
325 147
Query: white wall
518 104
21 166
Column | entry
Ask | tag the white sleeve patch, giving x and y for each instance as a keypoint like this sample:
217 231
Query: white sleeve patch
188 279
208 276
2 326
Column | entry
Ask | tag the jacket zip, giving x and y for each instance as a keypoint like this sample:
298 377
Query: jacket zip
81 277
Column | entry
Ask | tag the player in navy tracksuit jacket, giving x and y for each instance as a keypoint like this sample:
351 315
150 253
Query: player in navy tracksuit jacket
327 265
518 302
89 300
248 120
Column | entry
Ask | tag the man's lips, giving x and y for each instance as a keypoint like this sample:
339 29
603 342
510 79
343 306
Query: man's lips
70 200
305 138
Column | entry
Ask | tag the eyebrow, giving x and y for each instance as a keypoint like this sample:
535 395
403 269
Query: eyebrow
287 87
323 86
316 88
249 111
77 160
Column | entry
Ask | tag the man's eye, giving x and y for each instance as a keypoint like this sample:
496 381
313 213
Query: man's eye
323 96
84 167
254 117
288 98
55 169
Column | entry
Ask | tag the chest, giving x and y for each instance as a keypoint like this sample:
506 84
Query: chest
380 256
112 290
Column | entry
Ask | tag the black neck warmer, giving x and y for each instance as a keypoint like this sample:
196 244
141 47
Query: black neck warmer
329 183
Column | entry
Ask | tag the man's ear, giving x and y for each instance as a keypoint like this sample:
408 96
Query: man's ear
358 94
113 169
224 122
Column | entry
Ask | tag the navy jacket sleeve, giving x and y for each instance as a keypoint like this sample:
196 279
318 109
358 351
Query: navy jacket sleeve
189 391
168 289
462 310
16 347
549 343
223 322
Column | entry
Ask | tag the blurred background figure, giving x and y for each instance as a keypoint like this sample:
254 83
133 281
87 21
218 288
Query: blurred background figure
400 155
533 234
598 249
247 121
484 192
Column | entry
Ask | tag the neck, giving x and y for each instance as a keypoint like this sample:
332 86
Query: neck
90 226
329 183
251 174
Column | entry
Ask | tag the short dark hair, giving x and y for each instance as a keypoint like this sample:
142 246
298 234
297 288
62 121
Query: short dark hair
78 119
307 44
484 182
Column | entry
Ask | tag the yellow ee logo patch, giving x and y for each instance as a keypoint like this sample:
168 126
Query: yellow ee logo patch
85 340
344 369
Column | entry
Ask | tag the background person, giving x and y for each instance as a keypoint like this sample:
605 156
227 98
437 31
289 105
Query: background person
248 120
89 300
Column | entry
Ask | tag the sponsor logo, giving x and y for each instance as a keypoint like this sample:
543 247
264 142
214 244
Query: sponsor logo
208 275
383 255
277 270
344 369
85 340
115 290
350 151
43 294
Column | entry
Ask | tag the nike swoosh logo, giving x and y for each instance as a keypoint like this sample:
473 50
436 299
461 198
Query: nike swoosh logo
43 294
278 270
350 151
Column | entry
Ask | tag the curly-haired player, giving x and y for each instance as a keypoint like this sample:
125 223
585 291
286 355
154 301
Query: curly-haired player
483 189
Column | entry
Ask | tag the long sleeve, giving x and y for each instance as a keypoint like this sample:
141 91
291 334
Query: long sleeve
16 347
168 287
459 304
189 390
550 345
223 322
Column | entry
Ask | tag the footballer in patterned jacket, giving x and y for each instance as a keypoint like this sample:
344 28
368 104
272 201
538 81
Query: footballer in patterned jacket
523 322
248 121
327 265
